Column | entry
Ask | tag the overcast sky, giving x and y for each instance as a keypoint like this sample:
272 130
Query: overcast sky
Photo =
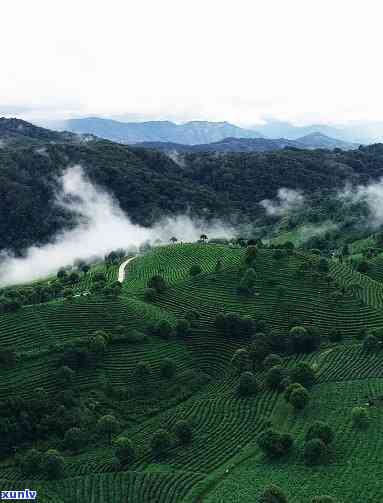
241 61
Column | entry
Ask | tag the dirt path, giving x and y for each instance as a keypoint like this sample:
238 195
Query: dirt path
121 269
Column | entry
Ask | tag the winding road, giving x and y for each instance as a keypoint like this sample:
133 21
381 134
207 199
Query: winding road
121 269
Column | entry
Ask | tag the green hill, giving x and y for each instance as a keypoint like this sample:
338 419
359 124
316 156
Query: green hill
223 461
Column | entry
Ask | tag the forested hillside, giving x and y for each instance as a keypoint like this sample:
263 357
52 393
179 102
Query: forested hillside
149 184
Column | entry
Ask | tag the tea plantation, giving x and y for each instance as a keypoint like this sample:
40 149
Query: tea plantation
178 385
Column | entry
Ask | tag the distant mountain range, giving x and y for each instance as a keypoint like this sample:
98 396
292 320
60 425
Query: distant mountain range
354 132
16 132
190 133
310 141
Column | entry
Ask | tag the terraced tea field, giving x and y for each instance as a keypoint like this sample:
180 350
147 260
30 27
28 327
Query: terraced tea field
223 462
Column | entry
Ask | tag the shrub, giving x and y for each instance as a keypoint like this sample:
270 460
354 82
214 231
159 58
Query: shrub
195 269
183 431
124 450
272 494
192 315
52 464
31 463
158 283
321 430
164 329
304 340
272 360
274 443
371 343
241 359
275 376
303 374
362 267
251 254
360 417
134 336
247 283
167 368
74 439
183 328
65 376
150 294
335 335
248 384
161 442
232 324
98 344
142 370
107 425
315 451
218 265
290 388
299 398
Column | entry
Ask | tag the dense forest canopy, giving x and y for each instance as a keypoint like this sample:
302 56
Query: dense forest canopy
149 184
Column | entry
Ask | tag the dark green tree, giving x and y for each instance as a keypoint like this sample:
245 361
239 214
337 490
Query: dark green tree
315 451
52 464
161 442
108 425
303 373
321 430
272 494
195 269
183 431
167 368
124 450
299 398
274 443
275 377
247 384
74 439
158 283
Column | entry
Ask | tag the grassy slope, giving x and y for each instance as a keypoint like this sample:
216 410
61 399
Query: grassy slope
225 426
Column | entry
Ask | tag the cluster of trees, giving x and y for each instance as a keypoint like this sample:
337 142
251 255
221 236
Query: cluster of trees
12 299
49 464
86 352
43 416
235 325
266 345
156 285
318 438
274 494
280 378
160 443
295 381
163 440
143 370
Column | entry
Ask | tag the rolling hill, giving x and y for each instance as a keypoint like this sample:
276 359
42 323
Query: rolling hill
219 463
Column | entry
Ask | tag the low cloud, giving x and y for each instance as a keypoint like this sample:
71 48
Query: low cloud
287 200
309 231
101 227
176 157
372 195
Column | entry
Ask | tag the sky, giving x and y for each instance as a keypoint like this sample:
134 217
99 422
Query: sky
242 61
